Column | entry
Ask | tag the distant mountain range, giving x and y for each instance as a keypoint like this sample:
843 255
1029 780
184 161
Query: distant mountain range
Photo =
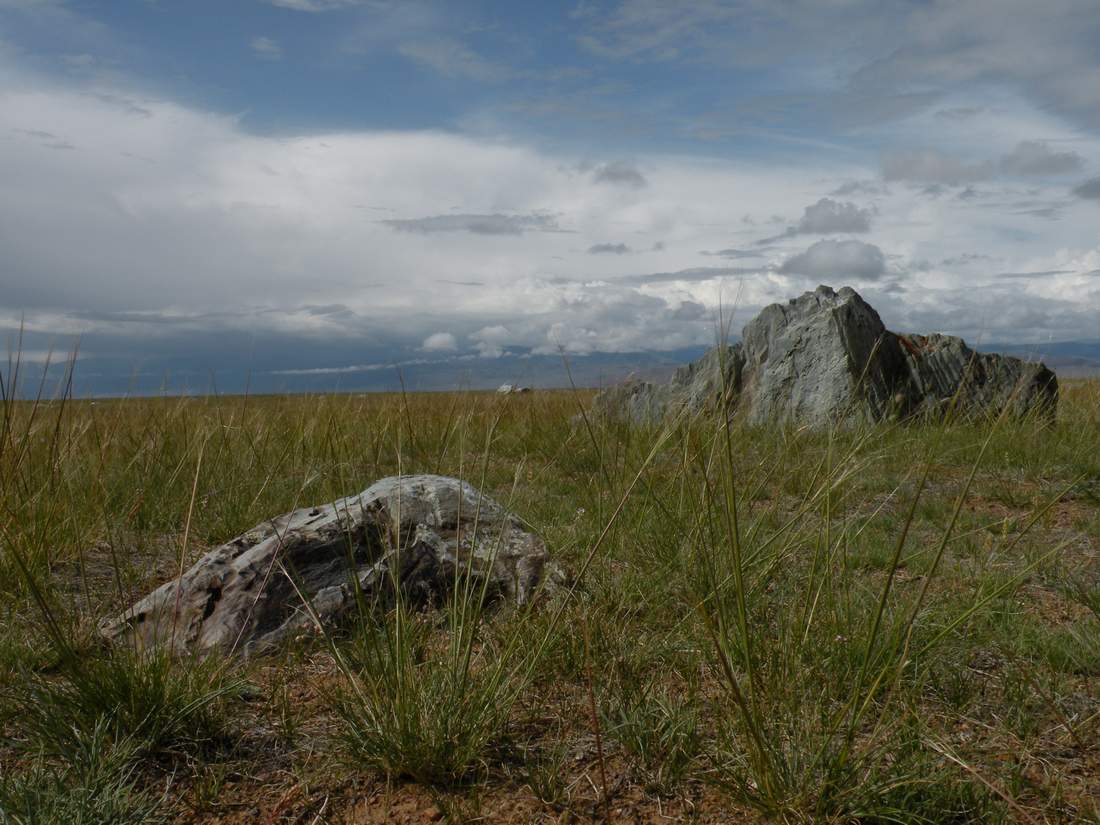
94 379
103 378
1069 359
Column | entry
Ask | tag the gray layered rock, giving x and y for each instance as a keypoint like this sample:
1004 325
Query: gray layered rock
820 359
706 384
941 366
825 358
281 578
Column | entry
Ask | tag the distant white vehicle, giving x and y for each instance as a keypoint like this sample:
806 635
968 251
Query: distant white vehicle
508 389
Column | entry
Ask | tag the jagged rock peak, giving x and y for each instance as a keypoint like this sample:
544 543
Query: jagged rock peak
825 358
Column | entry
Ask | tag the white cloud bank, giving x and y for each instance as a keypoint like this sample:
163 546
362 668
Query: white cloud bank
140 215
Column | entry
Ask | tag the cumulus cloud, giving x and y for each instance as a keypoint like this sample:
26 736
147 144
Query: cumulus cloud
609 249
1035 157
440 342
267 48
828 216
587 317
1090 189
619 173
495 224
830 259
933 166
491 341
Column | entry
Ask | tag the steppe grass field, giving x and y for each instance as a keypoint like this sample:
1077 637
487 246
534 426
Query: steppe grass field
899 623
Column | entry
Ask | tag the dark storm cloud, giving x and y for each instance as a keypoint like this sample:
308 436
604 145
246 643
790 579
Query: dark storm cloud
326 309
965 259
828 216
838 259
495 224
38 134
958 113
1090 189
609 249
1035 157
619 173
860 187
934 167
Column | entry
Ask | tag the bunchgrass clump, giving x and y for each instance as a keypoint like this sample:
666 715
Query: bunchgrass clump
95 782
412 710
154 701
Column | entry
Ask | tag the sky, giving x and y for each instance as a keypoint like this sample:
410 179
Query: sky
314 192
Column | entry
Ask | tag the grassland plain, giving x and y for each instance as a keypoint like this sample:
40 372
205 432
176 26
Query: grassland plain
894 624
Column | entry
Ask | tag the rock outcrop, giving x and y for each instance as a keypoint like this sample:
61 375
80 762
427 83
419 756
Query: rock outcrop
251 593
826 359
700 385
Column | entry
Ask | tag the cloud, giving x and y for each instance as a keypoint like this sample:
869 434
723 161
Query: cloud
689 311
495 224
354 368
957 113
933 166
899 57
491 341
734 254
609 249
1035 157
694 274
860 187
587 317
831 259
828 216
452 58
47 140
317 5
1044 53
1041 274
327 309
619 173
223 243
966 258
1090 189
645 30
267 48
440 342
